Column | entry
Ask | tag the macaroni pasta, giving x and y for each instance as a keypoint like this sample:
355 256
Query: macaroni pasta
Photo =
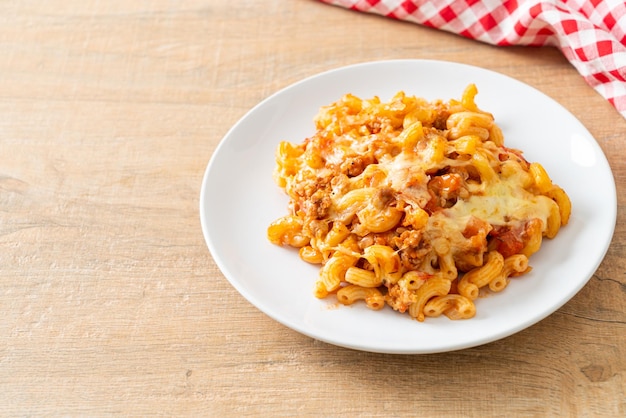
413 204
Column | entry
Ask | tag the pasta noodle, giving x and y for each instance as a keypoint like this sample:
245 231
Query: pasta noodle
413 204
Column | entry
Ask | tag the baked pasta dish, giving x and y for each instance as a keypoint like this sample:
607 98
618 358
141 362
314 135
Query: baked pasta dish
414 204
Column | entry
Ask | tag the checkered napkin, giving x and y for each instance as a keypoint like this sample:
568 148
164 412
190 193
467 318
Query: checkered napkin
590 33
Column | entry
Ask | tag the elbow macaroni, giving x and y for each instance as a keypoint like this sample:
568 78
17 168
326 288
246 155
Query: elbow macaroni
413 204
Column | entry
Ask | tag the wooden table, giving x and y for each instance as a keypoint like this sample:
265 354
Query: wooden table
111 303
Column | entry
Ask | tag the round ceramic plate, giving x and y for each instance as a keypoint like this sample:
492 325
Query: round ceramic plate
239 200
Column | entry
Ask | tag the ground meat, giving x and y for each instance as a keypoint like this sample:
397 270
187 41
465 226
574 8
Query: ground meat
399 298
442 117
317 206
408 238
354 166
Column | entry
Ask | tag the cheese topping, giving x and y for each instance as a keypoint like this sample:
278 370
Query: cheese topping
503 203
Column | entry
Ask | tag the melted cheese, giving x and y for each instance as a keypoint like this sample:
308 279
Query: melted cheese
406 175
503 202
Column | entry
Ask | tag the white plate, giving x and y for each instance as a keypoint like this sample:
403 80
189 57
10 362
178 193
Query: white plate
239 199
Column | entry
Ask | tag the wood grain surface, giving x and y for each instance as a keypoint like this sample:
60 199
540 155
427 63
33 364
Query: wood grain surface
111 303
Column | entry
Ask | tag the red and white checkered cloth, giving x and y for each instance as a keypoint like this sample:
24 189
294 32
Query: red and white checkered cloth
590 33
